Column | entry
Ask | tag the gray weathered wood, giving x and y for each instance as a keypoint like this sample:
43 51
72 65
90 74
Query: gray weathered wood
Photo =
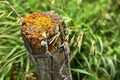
44 36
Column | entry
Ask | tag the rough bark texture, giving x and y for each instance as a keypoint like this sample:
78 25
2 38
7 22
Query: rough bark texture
44 36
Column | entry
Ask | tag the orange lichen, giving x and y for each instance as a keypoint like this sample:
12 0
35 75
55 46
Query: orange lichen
40 26
39 45
38 20
52 48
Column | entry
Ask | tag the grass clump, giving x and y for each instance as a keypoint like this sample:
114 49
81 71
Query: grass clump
93 28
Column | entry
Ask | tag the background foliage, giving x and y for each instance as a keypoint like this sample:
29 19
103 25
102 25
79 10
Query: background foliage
93 27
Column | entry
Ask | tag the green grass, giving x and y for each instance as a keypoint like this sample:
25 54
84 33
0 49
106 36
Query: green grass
94 31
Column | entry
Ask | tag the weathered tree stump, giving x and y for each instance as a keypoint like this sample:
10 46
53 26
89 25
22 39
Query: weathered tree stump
44 36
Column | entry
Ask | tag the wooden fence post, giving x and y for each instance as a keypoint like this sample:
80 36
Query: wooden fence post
44 36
